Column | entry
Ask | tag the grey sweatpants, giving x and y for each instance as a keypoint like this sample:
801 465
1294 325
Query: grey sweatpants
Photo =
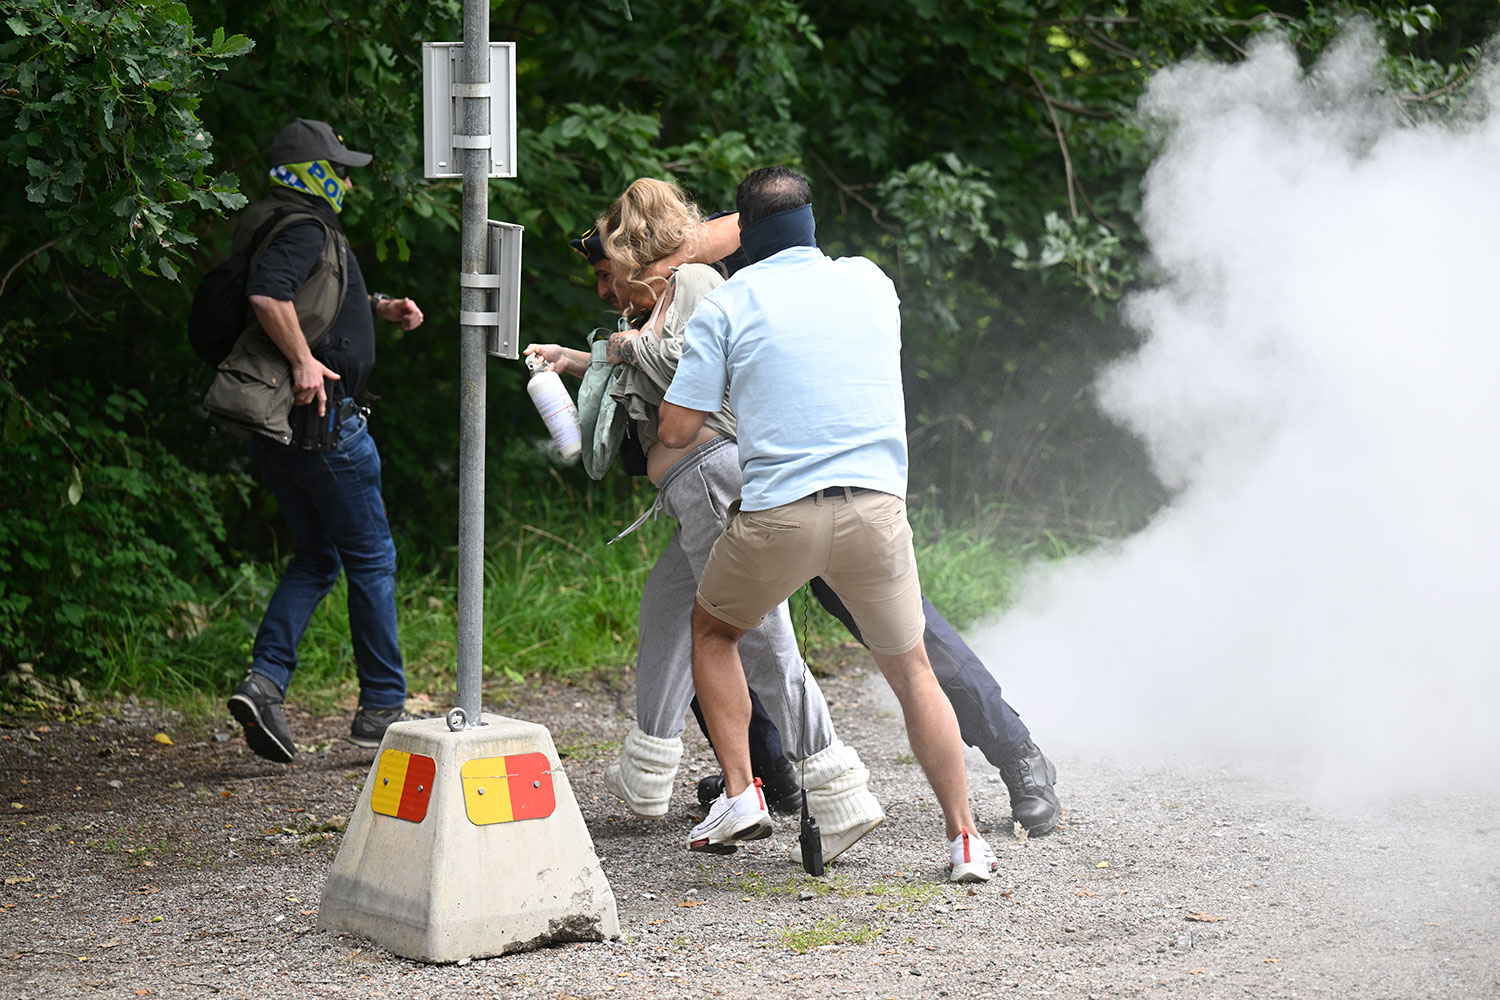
697 491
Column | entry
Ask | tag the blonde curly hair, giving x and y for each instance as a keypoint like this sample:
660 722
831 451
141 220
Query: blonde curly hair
651 220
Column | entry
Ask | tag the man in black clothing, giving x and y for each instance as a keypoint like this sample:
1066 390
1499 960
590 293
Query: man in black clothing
327 480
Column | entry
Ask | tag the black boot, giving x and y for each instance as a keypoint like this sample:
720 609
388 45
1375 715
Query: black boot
709 789
1029 776
782 788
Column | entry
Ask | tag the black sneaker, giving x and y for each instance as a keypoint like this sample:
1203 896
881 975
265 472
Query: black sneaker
782 789
1029 777
256 705
370 724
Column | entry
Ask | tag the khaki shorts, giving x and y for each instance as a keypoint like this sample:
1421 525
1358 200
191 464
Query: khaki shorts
859 542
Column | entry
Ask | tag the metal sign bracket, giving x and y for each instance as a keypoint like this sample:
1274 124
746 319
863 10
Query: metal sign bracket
442 109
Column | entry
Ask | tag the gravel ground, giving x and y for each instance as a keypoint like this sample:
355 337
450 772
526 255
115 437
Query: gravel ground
136 868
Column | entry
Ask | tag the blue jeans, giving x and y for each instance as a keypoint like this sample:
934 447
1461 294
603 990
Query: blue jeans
331 501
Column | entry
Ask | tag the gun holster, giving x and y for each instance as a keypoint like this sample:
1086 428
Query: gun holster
311 432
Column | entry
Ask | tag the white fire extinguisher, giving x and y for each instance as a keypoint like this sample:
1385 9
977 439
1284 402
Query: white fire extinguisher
556 407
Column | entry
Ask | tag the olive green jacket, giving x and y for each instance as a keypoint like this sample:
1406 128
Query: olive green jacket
252 392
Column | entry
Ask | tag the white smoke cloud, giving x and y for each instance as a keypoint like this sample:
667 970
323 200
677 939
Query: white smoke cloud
1319 380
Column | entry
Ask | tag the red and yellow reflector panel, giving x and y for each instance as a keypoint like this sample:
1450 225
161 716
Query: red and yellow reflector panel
506 789
403 785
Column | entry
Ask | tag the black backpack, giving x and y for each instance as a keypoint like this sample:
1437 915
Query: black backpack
221 312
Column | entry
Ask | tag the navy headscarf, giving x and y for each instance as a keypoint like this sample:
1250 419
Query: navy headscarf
774 233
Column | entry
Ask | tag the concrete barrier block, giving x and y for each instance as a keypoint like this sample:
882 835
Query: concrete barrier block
468 844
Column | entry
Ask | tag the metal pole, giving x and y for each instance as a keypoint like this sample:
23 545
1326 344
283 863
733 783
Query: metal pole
471 429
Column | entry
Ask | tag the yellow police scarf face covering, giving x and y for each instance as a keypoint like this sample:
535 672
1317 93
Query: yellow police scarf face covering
315 177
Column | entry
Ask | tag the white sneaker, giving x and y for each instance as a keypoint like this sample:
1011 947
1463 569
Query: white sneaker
732 822
972 859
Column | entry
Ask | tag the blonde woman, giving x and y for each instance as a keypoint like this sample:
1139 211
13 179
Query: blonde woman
634 249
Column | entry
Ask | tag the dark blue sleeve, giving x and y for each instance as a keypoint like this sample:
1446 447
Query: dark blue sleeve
287 262
735 260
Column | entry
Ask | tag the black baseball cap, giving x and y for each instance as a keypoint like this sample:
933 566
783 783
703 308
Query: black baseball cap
307 139
589 245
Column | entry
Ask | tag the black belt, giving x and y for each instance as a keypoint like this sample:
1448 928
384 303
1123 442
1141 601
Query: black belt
835 492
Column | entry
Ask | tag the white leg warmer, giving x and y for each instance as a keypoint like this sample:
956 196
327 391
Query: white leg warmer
643 776
839 797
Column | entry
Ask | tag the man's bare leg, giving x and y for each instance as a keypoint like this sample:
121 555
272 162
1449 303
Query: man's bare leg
932 729
719 678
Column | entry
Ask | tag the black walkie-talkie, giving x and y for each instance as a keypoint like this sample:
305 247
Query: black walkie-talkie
810 837
812 842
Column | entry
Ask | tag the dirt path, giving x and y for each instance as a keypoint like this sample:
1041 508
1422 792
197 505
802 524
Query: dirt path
135 868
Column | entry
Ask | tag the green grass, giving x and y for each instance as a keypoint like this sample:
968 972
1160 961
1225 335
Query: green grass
833 930
908 895
583 749
558 601
751 884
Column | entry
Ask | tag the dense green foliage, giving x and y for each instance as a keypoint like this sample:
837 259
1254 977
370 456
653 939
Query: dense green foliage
104 524
985 152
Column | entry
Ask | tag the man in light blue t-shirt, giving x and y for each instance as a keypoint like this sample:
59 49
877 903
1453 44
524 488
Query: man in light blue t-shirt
824 463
